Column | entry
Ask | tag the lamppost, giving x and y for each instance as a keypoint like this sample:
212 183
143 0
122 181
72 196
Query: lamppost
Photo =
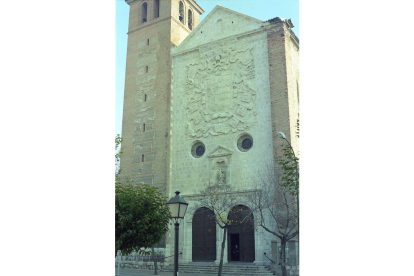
177 206
282 135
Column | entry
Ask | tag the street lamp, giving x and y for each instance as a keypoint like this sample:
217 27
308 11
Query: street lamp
177 206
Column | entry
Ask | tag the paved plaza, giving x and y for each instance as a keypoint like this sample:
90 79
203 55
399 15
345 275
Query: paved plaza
142 272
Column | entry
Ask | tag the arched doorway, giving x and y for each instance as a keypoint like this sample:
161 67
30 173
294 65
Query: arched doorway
241 245
204 235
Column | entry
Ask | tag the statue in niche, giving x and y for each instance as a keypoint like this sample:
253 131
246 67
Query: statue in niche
221 177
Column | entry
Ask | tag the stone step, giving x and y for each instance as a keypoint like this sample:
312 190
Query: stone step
211 269
224 273
227 269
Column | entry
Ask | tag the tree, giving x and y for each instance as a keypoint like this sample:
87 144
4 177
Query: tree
289 165
219 199
118 153
279 196
141 215
276 207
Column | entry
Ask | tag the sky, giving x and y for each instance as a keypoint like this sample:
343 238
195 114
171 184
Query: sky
260 9
356 145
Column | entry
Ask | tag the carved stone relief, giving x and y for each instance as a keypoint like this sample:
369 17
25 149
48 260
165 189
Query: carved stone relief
221 177
219 161
219 89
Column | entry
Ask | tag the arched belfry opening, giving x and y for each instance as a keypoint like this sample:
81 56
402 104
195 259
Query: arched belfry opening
241 245
190 19
204 235
144 12
181 12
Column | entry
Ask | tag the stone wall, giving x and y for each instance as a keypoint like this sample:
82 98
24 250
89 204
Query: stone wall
292 258
233 78
136 261
146 119
220 93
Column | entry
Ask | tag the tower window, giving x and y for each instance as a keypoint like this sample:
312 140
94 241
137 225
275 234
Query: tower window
145 97
147 41
146 69
143 128
142 158
144 12
181 12
156 8
190 20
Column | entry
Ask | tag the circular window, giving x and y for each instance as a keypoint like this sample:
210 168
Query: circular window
245 142
198 149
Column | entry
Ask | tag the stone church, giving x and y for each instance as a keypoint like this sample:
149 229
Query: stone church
203 103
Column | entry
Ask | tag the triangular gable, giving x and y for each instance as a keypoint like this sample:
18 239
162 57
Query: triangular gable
220 23
220 151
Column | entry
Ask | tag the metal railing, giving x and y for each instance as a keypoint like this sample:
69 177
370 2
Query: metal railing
172 256
268 258
159 257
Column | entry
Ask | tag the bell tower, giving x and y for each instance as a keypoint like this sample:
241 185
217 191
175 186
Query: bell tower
155 26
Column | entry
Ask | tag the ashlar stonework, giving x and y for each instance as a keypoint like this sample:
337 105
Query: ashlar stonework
203 105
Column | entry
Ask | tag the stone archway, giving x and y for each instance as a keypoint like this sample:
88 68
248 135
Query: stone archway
241 243
204 235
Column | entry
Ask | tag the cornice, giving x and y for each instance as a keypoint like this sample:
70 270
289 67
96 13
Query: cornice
270 24
231 193
200 9
153 22
130 1
195 4
181 24
148 24
294 38
219 40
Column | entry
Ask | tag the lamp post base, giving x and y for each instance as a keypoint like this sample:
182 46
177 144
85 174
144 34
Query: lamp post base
176 248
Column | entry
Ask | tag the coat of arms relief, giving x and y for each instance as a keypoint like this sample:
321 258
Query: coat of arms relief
220 95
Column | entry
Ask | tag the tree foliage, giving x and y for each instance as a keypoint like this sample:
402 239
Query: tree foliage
118 153
289 165
276 208
276 198
141 216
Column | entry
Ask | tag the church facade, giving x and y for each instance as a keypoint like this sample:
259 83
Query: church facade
203 103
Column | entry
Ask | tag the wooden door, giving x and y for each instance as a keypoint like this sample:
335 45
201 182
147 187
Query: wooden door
204 235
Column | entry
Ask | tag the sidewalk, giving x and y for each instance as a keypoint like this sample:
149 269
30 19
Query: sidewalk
142 272
138 272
